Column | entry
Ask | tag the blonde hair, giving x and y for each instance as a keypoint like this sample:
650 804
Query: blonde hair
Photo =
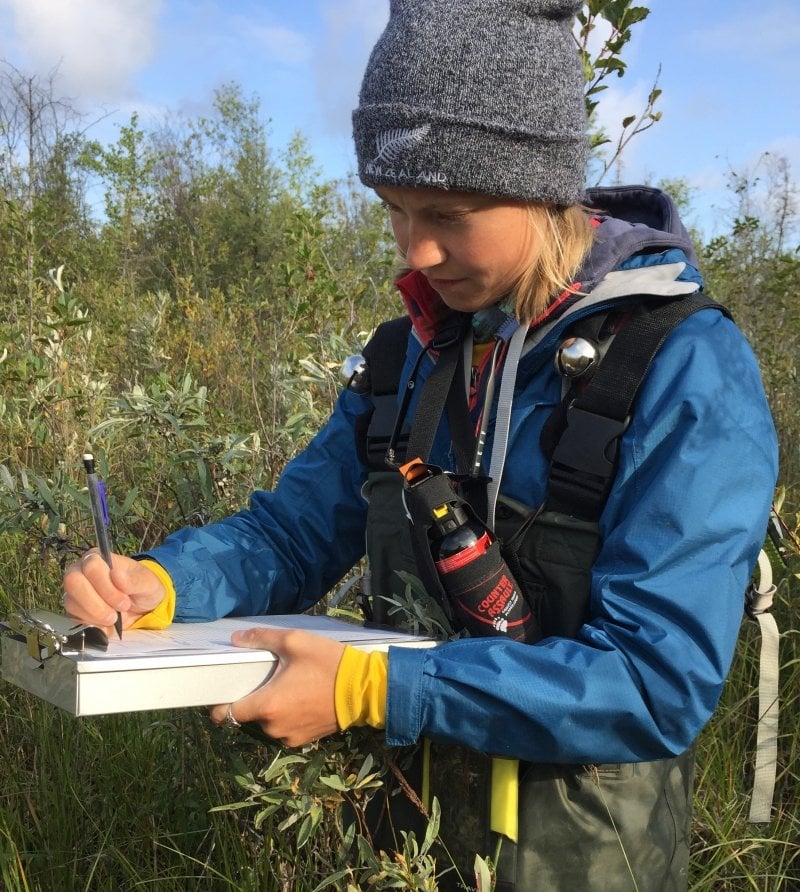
563 236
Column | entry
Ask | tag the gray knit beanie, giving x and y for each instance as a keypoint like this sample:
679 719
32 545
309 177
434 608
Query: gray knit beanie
477 96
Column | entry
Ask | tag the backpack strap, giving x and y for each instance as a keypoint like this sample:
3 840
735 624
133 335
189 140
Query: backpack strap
385 354
584 460
441 391
382 437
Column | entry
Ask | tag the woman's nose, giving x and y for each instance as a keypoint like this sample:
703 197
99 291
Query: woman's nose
423 250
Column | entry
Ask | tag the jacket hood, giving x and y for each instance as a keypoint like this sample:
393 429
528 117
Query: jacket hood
633 220
641 247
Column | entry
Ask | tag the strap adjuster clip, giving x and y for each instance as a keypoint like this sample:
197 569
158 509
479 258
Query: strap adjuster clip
589 442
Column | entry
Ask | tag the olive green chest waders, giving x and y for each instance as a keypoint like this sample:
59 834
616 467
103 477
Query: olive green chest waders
581 827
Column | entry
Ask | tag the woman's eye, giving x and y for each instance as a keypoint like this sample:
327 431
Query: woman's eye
452 217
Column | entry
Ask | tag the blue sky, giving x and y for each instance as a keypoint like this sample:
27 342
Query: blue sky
728 70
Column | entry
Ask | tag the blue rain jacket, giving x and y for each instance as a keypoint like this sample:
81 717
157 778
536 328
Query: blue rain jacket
681 533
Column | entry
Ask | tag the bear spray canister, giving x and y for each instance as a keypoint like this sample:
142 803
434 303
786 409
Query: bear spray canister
483 595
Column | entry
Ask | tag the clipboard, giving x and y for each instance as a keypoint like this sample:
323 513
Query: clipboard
78 669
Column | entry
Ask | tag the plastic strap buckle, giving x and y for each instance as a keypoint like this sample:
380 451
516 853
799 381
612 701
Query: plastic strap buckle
584 462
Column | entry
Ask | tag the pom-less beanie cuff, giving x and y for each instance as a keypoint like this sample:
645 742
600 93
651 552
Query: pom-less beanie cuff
451 155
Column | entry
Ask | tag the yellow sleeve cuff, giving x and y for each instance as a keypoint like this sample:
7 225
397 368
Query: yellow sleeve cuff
161 616
360 692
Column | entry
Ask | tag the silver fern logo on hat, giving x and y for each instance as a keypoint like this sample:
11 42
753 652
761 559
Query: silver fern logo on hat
392 146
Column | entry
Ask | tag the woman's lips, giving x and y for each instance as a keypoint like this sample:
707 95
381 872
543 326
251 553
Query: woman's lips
444 284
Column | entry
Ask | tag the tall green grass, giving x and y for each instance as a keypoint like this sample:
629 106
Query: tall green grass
727 851
132 801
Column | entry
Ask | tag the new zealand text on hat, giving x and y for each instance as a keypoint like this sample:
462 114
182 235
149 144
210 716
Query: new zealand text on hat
475 95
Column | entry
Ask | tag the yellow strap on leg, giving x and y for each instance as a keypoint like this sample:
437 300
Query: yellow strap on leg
504 807
426 774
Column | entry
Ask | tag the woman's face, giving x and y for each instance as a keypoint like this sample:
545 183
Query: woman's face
472 248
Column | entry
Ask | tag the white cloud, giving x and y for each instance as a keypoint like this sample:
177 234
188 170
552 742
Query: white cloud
98 45
787 147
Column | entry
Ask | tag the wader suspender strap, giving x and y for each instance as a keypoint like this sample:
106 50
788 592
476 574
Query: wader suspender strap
759 602
584 460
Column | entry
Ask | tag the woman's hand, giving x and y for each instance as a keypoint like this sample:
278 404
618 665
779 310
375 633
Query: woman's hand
94 592
296 705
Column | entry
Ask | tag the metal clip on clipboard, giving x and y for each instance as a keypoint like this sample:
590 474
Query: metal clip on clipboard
47 634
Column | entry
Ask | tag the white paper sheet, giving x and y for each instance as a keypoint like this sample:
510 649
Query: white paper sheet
215 637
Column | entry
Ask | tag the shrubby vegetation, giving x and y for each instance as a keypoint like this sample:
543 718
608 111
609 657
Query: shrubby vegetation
190 331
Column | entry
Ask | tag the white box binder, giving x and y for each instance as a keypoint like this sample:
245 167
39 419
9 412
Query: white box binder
186 664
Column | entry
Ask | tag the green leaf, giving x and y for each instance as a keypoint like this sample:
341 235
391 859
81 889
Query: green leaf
278 766
365 769
6 478
334 782
265 813
636 14
313 770
232 806
432 830
130 498
45 494
611 64
310 823
332 880
286 823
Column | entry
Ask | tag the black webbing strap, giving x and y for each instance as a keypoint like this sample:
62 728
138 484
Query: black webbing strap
584 460
385 354
439 391
462 430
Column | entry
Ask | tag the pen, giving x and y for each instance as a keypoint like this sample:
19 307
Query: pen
97 498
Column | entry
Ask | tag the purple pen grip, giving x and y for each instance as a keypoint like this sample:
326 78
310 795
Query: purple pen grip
101 491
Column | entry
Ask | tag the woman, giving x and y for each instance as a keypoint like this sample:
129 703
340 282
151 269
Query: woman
471 130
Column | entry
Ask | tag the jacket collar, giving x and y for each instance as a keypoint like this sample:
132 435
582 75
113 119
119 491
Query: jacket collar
428 311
